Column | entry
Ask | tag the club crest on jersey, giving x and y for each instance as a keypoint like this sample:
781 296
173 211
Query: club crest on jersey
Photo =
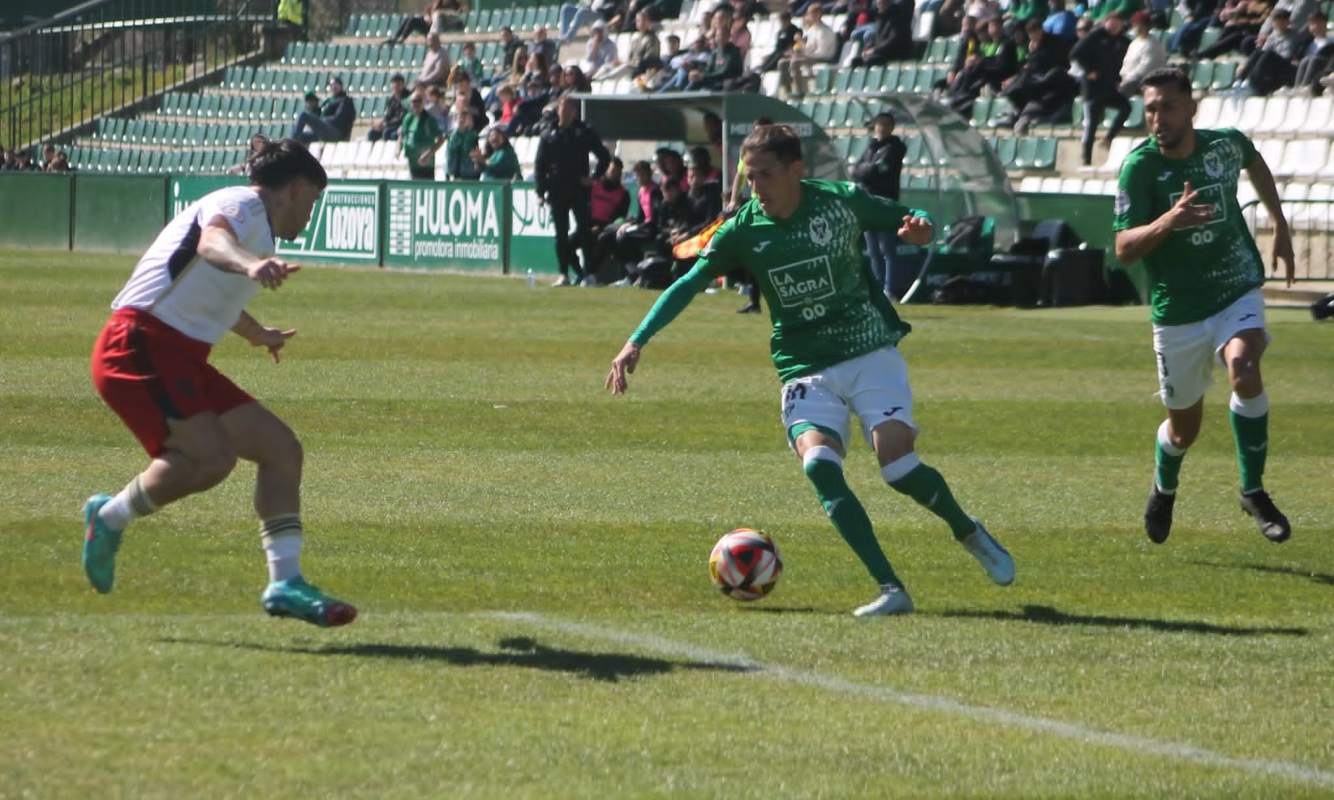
821 231
1213 164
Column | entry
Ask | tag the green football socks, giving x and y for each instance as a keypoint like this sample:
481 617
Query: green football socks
1250 431
824 468
908 475
1168 458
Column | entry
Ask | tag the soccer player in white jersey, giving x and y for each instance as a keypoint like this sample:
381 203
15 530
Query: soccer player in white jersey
834 343
150 365
1177 209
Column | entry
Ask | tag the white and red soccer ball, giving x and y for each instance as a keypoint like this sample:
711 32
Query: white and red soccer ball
745 564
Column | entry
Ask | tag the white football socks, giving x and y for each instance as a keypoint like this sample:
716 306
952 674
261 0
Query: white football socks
132 502
281 536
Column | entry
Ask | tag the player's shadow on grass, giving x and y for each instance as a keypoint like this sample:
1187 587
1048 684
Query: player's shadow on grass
520 651
1046 615
783 610
1315 577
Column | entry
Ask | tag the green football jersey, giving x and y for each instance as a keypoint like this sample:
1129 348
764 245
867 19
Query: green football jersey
823 303
1195 272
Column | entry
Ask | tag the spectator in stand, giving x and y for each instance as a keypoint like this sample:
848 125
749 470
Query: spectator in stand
564 184
386 127
1144 55
508 103
420 23
1319 56
573 79
1242 21
459 153
658 9
510 46
256 144
1121 8
1060 24
787 34
497 161
879 171
1022 11
1273 65
473 65
449 15
24 161
541 45
741 35
1042 88
725 62
1299 11
626 241
460 83
949 18
48 155
817 45
645 52
892 39
683 64
653 80
859 19
1199 13
438 107
649 262
435 66
599 52
421 138
1101 54
334 121
993 61
574 16
59 163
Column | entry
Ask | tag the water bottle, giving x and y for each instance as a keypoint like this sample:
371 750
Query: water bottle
532 279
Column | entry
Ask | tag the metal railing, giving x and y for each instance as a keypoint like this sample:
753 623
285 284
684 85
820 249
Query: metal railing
106 56
1311 223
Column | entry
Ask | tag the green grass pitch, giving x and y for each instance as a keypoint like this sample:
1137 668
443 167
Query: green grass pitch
529 557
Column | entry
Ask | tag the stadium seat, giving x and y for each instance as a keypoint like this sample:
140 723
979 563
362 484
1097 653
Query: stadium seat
1276 108
1225 74
1271 150
1252 114
1304 157
1116 154
1007 148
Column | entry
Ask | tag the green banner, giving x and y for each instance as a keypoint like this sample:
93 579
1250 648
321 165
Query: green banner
532 236
35 209
344 227
445 225
186 190
118 213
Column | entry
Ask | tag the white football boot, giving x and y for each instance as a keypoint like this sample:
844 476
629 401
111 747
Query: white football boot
989 553
892 600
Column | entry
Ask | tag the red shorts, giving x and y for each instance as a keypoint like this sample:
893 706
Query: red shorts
149 372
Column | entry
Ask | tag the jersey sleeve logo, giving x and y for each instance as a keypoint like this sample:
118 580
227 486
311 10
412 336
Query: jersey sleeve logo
1122 202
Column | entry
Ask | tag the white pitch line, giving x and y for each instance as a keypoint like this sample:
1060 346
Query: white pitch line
1011 719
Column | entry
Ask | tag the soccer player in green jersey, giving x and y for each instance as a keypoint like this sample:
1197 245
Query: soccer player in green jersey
1177 209
833 342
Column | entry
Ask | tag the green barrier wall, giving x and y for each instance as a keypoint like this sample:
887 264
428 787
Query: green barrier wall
532 236
118 213
35 210
438 225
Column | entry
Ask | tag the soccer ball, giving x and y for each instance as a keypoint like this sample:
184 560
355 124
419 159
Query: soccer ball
745 564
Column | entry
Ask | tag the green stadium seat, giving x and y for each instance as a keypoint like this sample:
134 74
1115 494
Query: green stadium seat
823 111
935 51
1006 149
1025 156
874 77
838 115
857 80
889 79
982 111
1202 75
1136 118
925 77
914 154
807 107
907 77
858 147
842 79
1225 74
1045 154
953 48
1209 38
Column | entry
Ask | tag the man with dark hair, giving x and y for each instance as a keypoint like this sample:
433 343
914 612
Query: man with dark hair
1100 55
892 37
1176 208
1042 88
386 127
150 365
1273 64
334 121
561 166
833 342
421 139
879 171
1319 55
725 61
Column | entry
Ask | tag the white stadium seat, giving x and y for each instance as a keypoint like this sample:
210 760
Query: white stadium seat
1294 120
1320 117
1305 157
1116 154
1275 112
1272 152
1252 114
1207 112
1031 184
1051 185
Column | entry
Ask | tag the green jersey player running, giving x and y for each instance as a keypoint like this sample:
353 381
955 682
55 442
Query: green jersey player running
1177 209
833 342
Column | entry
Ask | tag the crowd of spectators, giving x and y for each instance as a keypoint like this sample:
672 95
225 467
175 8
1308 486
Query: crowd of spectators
21 160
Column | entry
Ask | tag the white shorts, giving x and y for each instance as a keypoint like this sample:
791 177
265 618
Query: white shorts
1187 353
874 386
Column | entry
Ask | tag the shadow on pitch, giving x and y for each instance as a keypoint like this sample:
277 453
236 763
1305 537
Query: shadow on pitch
783 610
519 651
1314 577
1046 615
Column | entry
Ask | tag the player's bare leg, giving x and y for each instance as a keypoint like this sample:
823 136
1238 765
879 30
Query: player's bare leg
906 474
197 456
1177 433
821 457
1249 414
259 436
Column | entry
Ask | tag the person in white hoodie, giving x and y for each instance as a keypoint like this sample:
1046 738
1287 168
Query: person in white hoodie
818 44
1144 55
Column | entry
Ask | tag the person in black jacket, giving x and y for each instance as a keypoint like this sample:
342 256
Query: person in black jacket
1043 87
1100 55
879 171
564 184
333 123
1199 13
387 126
892 40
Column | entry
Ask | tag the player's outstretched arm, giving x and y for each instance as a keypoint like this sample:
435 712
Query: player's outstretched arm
219 247
1133 244
1263 181
259 335
621 366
